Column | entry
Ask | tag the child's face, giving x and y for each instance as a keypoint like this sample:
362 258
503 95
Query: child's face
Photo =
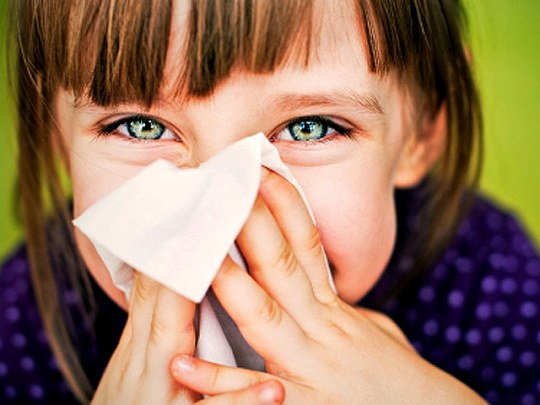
348 178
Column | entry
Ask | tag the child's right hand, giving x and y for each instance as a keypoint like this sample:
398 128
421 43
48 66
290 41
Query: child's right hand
160 324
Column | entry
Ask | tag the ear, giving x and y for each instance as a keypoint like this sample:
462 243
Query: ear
422 149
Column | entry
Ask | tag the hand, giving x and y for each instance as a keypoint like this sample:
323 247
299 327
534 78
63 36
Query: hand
160 324
321 349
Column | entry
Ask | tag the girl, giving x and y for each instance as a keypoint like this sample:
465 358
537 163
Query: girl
372 106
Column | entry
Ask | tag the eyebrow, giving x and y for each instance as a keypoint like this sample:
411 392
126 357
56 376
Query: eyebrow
364 102
367 103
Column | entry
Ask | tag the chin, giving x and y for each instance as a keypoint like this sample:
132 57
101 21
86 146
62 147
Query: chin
354 280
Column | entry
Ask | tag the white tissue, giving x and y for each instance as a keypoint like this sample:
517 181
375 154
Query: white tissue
177 225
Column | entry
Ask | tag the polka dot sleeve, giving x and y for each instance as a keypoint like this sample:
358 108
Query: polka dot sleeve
477 313
28 371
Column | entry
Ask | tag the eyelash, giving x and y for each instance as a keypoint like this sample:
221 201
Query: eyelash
327 122
109 129
340 130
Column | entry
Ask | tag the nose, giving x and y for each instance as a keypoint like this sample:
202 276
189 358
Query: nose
210 143
213 132
234 111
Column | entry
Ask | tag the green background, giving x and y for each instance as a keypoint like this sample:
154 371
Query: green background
505 38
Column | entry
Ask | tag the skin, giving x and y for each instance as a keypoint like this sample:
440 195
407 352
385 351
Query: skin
318 348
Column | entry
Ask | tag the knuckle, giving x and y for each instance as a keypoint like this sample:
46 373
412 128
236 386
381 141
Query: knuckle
385 323
390 326
313 243
187 329
382 320
270 312
329 298
286 261
144 289
158 330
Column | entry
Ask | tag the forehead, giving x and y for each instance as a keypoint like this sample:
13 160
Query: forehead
191 47
204 50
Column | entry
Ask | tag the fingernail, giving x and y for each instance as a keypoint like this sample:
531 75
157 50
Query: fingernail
268 394
183 365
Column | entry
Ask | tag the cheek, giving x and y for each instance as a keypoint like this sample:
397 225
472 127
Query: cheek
356 219
92 178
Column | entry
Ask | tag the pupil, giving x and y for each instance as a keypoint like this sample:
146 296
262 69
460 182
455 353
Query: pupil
307 127
147 125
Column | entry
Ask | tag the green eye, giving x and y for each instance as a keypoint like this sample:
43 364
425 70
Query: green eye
307 130
145 128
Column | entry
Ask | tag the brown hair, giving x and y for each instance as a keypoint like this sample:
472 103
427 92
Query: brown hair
84 47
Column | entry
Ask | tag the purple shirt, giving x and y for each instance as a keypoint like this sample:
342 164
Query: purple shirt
476 314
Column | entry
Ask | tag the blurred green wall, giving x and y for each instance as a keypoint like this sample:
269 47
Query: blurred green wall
505 38
9 231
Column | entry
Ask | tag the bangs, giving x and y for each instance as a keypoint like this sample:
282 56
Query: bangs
418 39
116 51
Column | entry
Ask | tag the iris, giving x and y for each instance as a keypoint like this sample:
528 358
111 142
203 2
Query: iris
145 128
307 130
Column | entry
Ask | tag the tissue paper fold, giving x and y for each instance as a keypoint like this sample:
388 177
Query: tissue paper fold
177 225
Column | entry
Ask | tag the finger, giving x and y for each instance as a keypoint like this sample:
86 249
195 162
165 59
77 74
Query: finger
273 264
142 299
171 329
141 308
269 329
287 206
210 378
265 393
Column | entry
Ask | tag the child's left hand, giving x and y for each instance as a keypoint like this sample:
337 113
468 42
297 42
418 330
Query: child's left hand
321 349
